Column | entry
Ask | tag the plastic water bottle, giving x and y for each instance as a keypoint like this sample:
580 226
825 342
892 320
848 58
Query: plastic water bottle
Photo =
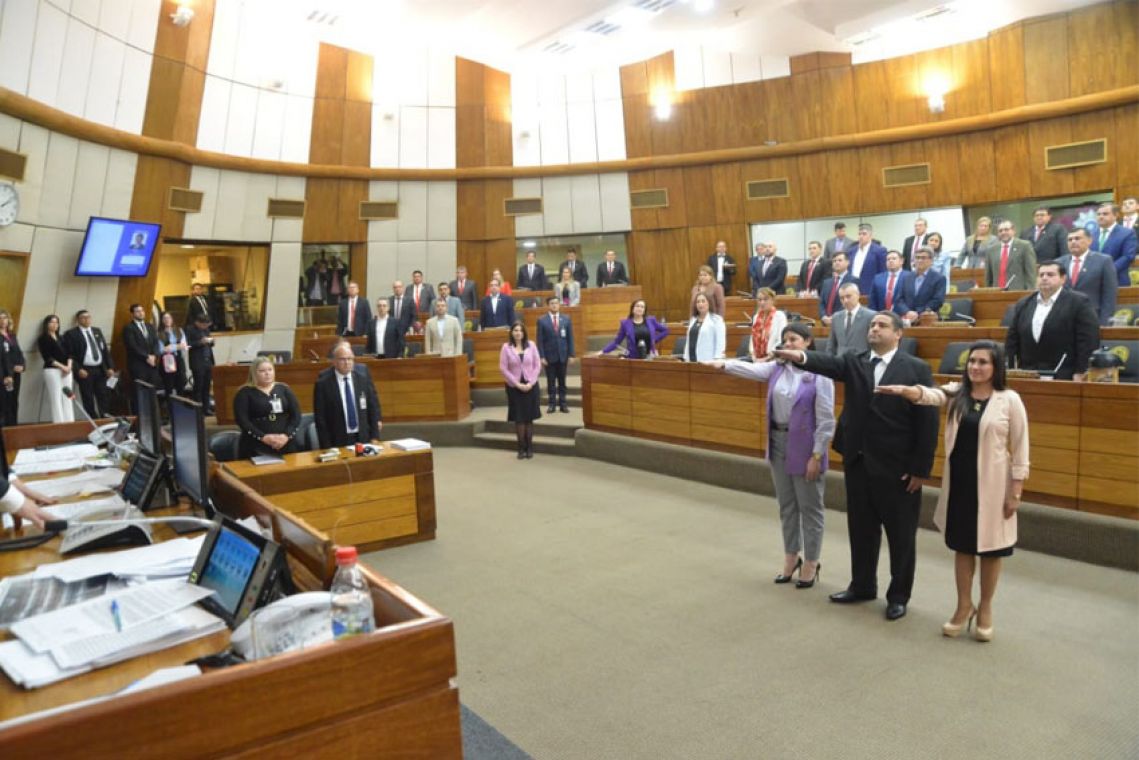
352 611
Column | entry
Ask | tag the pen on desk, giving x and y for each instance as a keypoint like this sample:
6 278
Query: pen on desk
117 615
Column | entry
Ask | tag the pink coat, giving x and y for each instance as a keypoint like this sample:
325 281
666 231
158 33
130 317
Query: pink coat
1002 456
513 370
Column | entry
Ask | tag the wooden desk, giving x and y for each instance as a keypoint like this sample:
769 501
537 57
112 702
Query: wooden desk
989 306
428 388
604 308
488 345
368 502
319 348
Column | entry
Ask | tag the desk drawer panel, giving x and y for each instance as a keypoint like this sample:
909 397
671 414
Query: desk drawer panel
348 494
1054 483
1108 441
740 438
364 534
356 514
1109 466
609 404
613 420
660 426
1125 494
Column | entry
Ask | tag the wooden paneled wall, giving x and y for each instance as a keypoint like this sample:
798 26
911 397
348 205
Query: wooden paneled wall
483 138
342 135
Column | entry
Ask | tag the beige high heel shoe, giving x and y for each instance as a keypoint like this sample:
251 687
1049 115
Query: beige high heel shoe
953 630
983 634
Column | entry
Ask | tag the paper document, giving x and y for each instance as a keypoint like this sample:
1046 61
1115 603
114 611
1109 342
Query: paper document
409 444
158 559
261 459
77 509
90 482
25 595
33 462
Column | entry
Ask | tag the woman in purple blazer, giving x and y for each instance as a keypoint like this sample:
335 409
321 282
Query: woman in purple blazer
640 333
520 366
800 425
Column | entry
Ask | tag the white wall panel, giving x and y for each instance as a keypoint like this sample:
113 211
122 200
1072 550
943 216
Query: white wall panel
86 10
774 66
298 129
745 68
284 272
288 230
717 67
87 193
115 18
58 180
233 190
557 205
530 225
33 144
440 79
382 268
442 211
615 213
256 223
441 138
144 22
299 67
555 133
385 136
133 90
17 237
410 255
75 71
9 132
413 137
442 256
688 64
388 229
386 68
582 129
119 187
200 226
17 37
240 122
607 83
106 76
51 32
610 130
223 39
528 146
412 76
269 124
552 90
215 111
412 211
586 196
579 87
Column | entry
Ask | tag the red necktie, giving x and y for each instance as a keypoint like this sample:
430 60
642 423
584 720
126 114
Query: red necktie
1075 270
610 267
890 292
416 299
351 314
830 298
1002 280
555 323
810 273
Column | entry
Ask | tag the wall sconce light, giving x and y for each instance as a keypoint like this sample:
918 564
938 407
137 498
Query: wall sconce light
183 16
936 103
936 86
662 105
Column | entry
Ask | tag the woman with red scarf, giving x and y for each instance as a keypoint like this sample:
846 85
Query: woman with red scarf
766 325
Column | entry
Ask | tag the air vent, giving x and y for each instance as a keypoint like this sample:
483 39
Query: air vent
654 6
288 209
1075 154
762 189
12 165
372 210
184 199
903 176
557 47
649 198
602 27
522 206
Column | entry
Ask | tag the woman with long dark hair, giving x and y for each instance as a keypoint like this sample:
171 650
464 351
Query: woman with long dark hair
520 366
640 333
57 369
986 464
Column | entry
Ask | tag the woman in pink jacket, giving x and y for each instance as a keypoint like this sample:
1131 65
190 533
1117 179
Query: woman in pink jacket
986 464
520 366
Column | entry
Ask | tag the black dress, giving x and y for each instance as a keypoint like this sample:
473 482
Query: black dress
12 357
642 340
256 417
523 406
961 512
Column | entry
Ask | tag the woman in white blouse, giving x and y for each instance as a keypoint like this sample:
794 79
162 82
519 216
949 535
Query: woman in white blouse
707 335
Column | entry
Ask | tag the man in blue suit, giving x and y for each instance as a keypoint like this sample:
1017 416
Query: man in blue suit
925 288
1115 240
868 259
1093 274
555 347
497 309
889 286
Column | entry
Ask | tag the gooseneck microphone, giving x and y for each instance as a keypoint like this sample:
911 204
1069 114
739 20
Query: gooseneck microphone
59 526
69 393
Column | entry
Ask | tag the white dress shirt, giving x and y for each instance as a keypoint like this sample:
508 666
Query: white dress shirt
880 367
859 262
1043 309
381 331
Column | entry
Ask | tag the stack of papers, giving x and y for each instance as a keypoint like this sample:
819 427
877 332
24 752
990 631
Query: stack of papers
89 482
409 444
169 559
36 462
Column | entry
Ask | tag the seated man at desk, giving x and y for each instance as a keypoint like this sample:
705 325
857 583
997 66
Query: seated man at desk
345 407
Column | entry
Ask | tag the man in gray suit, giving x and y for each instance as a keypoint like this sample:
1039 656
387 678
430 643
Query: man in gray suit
849 327
454 305
1048 238
840 242
1091 273
1010 264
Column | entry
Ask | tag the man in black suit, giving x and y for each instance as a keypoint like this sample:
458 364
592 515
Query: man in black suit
385 334
91 362
465 289
403 314
887 447
141 343
914 242
198 304
497 309
770 271
723 267
420 296
840 243
1048 238
814 270
611 271
353 312
1054 328
201 358
531 275
345 407
578 270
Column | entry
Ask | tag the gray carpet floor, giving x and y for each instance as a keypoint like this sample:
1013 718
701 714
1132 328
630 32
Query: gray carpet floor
605 613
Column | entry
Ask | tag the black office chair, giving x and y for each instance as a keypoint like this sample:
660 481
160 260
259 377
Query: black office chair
678 347
909 346
306 434
959 309
744 351
223 445
413 350
1006 320
1125 314
1128 351
964 286
954 359
469 349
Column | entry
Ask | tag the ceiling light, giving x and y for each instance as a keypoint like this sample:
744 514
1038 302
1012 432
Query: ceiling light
703 6
183 15
662 104
630 18
529 244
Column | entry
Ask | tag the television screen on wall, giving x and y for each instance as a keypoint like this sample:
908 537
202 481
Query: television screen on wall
117 248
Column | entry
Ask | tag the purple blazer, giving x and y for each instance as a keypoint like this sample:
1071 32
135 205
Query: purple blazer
801 429
626 333
513 370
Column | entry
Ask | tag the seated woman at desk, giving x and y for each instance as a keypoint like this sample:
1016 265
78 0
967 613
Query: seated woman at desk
267 413
706 284
57 369
706 333
567 289
640 333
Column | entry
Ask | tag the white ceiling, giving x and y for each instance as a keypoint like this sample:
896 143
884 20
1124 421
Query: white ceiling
518 34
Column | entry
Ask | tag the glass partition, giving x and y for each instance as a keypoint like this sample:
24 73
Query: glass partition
233 277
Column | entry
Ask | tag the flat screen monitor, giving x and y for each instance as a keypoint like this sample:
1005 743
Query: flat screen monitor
146 409
117 248
188 436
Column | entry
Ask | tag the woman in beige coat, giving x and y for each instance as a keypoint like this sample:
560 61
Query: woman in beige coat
986 464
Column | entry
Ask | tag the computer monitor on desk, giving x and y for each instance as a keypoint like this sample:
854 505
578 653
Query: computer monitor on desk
146 408
191 466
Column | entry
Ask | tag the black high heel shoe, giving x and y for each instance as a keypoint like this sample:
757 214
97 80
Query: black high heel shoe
781 578
807 584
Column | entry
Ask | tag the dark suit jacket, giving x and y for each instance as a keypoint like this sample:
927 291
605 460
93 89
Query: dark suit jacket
503 316
1121 246
775 278
825 289
822 272
908 250
1096 280
833 246
1021 265
407 313
875 263
76 346
551 345
468 295
524 280
328 411
893 436
201 356
393 338
929 296
1071 330
618 278
729 272
580 272
363 316
1053 242
878 292
138 347
194 308
426 299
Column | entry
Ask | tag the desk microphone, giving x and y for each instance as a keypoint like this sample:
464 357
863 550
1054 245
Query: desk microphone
59 526
1009 283
70 394
965 318
794 316
315 356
